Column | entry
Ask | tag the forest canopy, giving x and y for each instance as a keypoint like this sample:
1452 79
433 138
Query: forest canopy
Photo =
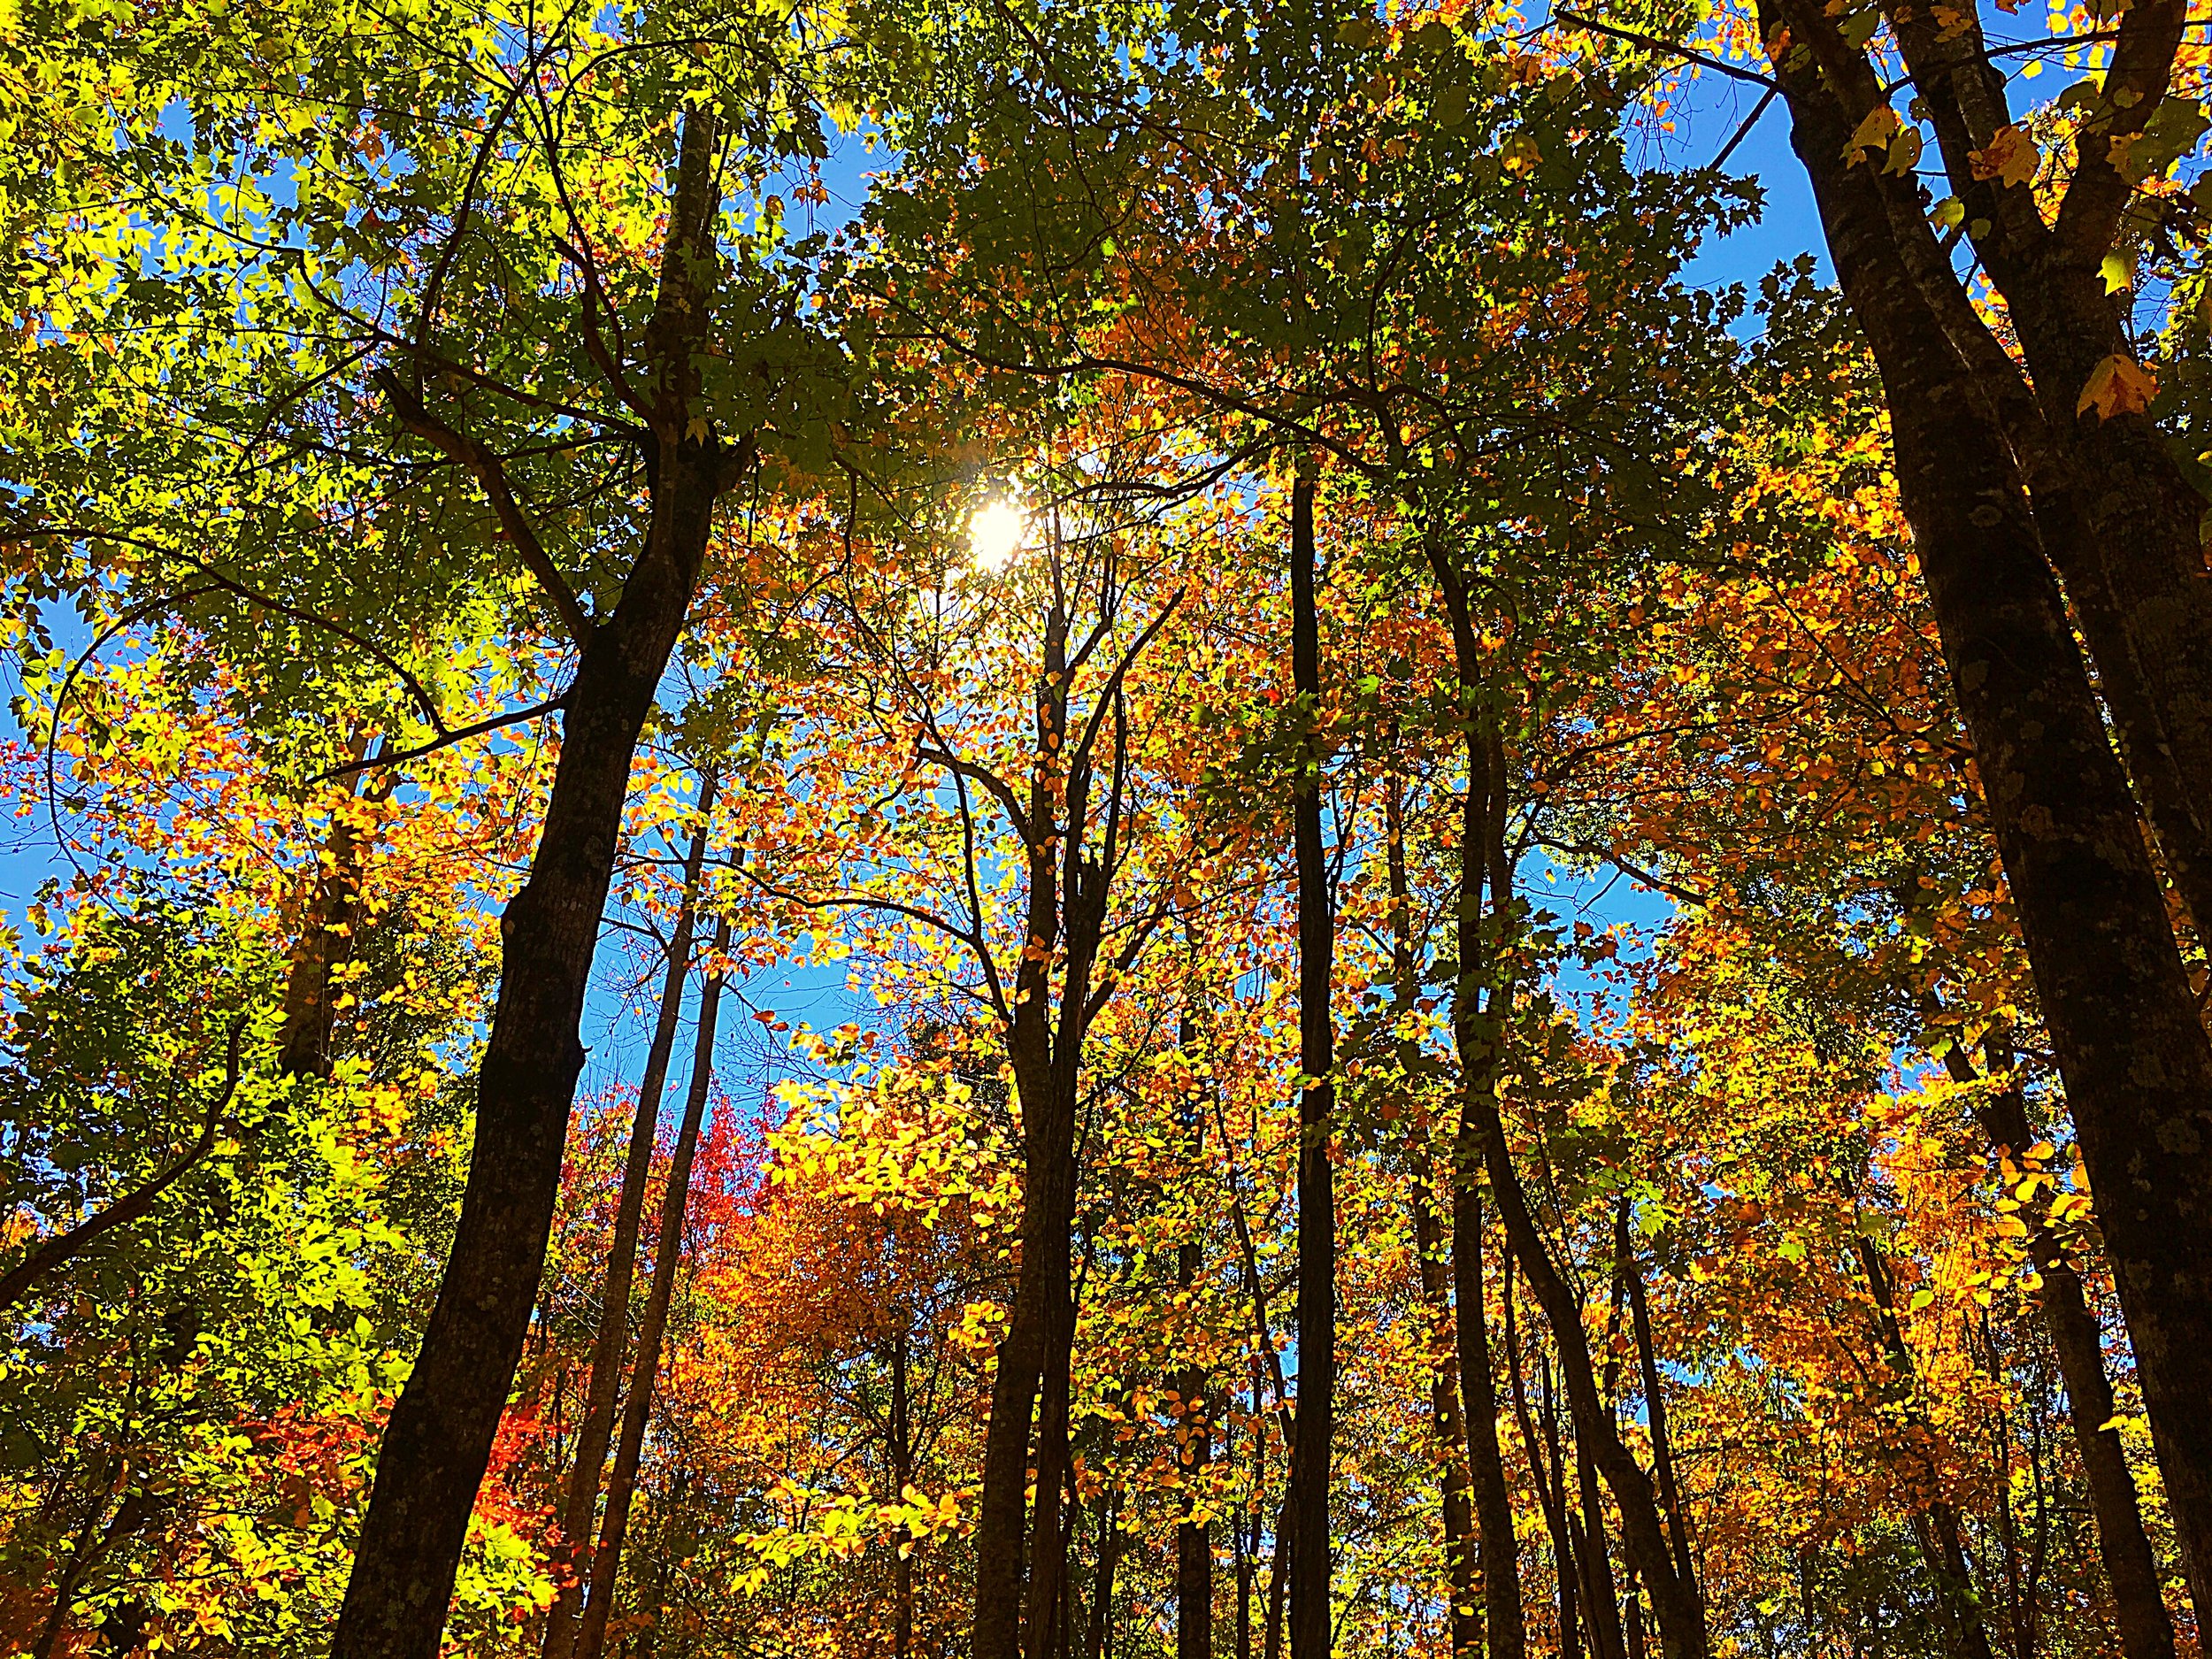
1099 829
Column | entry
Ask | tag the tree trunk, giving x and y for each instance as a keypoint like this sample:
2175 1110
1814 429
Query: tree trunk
439 1436
1662 1441
1310 1464
1463 1555
1601 1600
1550 1499
1099 1627
902 1477
2146 1629
2112 509
2115 996
1049 1013
613 1336
2140 546
1493 1499
668 1249
1048 1540
1194 1537
1681 1619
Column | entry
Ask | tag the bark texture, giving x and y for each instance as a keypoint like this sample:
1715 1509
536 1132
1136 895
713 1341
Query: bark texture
441 1433
2115 998
612 1337
668 1249
1316 1431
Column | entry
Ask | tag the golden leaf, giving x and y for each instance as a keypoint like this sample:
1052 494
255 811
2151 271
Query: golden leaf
2010 157
2117 385
1880 126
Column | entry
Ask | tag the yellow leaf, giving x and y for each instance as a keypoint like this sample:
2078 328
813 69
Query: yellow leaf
2117 385
2010 157
697 432
1874 132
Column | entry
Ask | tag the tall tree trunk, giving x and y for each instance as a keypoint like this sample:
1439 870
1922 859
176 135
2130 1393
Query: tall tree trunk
1549 1497
2138 543
902 1438
2146 1629
612 1337
2113 510
1244 1531
1048 1540
1309 1463
1662 1438
1601 1600
1195 1548
1643 1536
1462 1555
439 1436
2130 1047
1194 1537
1493 1499
668 1249
1565 1551
1099 1627
1069 882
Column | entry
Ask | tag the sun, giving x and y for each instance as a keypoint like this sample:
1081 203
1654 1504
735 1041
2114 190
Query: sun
995 534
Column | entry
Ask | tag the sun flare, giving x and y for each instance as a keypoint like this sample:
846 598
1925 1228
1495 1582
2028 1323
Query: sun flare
995 534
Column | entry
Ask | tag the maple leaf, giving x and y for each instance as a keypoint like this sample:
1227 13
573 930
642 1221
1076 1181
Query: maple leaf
2117 385
2010 157
1880 126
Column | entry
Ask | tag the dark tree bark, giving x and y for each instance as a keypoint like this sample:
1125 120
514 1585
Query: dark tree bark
1099 1627
2113 510
1493 1499
441 1433
612 1337
1662 1439
2138 543
1194 1537
1601 1600
2115 996
901 1437
2146 1631
1550 1495
1310 1457
1463 1554
1073 855
1049 1536
1681 1617
668 1249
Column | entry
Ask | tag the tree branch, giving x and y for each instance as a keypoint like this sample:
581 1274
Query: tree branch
60 1251
491 474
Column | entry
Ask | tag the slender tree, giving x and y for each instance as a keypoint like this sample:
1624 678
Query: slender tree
668 1250
608 1342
